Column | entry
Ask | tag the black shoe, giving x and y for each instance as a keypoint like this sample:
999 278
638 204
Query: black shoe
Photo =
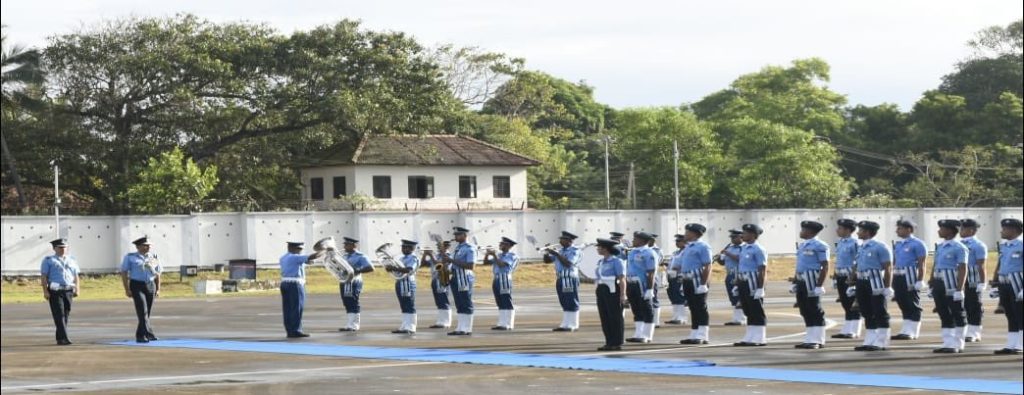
842 336
900 336
297 335
561 329
141 340
674 322
746 344
999 310
868 348
64 342
609 348
436 326
346 330
456 333
636 340
499 328
693 341
401 331
946 350
808 346
971 340
152 338
1008 351
733 323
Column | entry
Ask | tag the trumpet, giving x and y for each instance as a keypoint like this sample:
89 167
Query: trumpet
391 265
548 248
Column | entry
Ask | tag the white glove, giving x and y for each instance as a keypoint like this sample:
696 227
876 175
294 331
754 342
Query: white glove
759 293
981 288
919 285
736 291
958 296
818 291
851 292
649 294
703 289
792 288
888 292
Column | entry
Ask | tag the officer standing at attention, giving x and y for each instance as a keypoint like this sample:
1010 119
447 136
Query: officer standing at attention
462 261
846 253
660 278
351 290
908 278
675 293
694 274
750 286
405 287
811 269
503 264
729 256
60 280
567 282
977 279
1010 281
873 276
293 288
140 275
947 283
439 290
639 288
611 293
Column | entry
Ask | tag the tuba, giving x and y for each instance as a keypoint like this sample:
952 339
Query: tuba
334 261
389 262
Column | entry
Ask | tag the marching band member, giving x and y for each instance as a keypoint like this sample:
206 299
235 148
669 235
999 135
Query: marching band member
660 277
949 273
1010 281
908 278
611 293
694 273
846 252
438 288
640 288
503 264
405 288
811 268
567 282
140 274
293 288
675 293
750 285
977 282
60 280
462 261
873 276
729 257
351 290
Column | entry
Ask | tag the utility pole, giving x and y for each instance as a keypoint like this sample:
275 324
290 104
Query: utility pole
631 189
675 163
56 196
607 183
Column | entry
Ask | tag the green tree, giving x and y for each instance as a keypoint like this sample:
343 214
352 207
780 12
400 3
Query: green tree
997 66
472 74
967 177
171 184
21 77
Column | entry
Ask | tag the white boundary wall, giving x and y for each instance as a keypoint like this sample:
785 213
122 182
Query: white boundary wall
99 242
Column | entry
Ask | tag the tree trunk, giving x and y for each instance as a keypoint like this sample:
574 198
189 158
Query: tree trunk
12 170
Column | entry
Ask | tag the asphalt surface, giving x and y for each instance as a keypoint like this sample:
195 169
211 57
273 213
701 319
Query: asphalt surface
30 361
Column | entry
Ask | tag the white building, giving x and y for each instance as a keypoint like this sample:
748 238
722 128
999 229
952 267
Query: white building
430 172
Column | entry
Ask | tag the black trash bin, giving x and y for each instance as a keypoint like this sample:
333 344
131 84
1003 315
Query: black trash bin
187 271
242 269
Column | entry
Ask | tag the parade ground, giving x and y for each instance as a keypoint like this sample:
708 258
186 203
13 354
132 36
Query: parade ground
236 345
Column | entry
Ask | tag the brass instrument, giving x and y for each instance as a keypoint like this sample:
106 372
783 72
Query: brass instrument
444 275
390 263
333 260
548 248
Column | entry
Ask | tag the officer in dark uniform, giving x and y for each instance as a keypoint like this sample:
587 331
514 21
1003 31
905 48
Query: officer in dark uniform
351 290
977 279
1010 281
405 287
908 278
611 293
949 273
873 276
140 275
293 288
846 253
60 280
695 271
811 269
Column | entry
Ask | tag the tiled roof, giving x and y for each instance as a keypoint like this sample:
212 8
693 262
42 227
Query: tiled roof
413 150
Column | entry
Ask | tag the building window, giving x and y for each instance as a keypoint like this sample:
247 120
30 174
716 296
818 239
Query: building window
339 187
467 187
316 188
502 187
382 187
421 187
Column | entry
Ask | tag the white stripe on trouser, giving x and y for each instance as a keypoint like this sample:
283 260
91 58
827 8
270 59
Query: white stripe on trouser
973 276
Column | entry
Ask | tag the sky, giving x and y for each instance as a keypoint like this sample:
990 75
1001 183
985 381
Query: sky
633 52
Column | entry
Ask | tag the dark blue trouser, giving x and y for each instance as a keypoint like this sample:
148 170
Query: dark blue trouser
568 289
698 303
293 298
972 306
852 313
1012 308
907 298
643 309
752 308
874 308
463 297
143 294
675 294
610 310
440 298
350 296
733 299
810 306
406 292
951 312
502 288
60 308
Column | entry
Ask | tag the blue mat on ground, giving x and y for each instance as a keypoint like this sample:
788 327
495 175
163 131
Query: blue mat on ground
597 363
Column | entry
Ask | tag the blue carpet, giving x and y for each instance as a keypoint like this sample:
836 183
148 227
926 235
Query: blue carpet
625 365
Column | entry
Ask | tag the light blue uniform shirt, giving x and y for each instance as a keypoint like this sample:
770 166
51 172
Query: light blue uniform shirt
135 264
731 264
908 251
572 254
752 257
59 270
358 261
641 261
950 254
846 252
611 266
676 263
695 256
412 262
508 257
293 265
1010 258
872 254
810 255
464 252
976 249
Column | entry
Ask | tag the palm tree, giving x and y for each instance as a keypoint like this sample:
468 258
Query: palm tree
20 72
